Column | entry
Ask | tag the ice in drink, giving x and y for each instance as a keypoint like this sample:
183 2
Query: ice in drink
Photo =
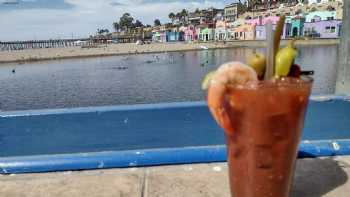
267 120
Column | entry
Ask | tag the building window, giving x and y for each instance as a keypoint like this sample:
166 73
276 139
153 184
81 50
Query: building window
333 29
330 18
328 29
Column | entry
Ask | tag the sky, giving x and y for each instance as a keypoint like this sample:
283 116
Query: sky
52 19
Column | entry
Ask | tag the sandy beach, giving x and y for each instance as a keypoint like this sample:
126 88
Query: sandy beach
132 48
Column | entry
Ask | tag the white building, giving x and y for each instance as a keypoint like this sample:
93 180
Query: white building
322 1
221 31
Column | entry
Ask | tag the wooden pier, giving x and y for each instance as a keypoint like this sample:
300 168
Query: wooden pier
84 42
36 44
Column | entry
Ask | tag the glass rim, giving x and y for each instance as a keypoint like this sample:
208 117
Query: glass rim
302 81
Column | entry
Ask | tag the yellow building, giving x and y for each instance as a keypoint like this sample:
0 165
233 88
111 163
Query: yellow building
244 32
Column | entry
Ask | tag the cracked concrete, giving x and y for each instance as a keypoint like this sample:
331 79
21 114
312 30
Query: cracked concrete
319 177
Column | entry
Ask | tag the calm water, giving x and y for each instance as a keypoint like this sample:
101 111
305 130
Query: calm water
150 78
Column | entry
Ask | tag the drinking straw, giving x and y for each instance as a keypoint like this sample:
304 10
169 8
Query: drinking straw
270 51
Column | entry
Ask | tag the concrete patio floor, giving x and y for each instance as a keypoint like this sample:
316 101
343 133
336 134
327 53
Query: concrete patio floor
314 178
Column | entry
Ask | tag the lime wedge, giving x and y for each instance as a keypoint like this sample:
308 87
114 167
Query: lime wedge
206 80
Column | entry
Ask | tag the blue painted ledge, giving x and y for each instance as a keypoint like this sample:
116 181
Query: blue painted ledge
145 135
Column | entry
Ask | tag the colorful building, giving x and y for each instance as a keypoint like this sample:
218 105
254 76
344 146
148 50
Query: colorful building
244 32
323 29
320 16
174 35
232 11
210 24
166 33
317 1
205 33
190 33
263 20
236 23
260 31
221 31
297 26
159 36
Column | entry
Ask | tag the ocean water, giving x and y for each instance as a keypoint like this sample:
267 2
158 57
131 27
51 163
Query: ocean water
135 79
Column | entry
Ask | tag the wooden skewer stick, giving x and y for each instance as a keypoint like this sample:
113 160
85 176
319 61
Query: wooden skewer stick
273 39
278 34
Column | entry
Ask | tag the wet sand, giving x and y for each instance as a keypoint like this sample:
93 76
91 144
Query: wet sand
132 48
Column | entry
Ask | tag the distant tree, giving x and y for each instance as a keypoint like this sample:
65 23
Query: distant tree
126 22
138 24
102 31
184 12
313 9
184 15
178 15
148 25
197 11
116 26
172 17
157 22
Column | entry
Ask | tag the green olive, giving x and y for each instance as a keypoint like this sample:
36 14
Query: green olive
206 80
258 62
284 60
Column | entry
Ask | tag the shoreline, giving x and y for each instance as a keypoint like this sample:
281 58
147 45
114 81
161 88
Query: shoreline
45 54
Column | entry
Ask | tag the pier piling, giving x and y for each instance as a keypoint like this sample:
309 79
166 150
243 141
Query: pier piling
343 67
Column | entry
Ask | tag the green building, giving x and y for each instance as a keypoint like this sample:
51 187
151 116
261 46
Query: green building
297 26
206 33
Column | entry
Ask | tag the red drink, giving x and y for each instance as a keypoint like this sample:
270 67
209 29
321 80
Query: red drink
263 130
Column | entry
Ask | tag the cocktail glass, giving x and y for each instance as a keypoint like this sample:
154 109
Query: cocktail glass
263 123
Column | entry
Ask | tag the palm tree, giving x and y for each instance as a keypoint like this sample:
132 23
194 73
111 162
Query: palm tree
172 17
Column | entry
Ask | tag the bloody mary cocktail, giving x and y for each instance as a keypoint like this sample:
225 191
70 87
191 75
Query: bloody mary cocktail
267 121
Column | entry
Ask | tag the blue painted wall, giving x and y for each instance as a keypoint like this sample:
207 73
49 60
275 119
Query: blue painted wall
141 127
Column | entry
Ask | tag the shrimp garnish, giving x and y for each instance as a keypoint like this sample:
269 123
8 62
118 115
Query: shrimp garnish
232 73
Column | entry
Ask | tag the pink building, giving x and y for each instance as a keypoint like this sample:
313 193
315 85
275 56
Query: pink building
190 33
263 20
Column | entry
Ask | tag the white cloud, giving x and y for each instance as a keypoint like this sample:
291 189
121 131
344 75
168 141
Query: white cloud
86 16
